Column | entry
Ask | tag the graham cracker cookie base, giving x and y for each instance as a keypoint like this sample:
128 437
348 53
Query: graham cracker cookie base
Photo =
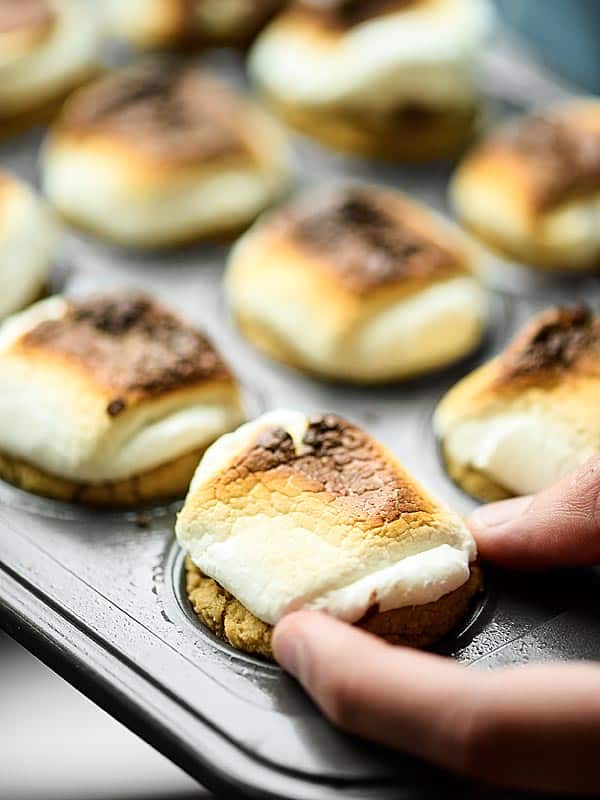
474 482
267 340
219 236
416 138
534 257
413 626
43 111
165 482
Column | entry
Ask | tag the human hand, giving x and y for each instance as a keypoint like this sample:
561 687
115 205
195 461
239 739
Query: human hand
534 727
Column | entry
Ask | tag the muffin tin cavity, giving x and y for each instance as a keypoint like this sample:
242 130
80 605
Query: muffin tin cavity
101 593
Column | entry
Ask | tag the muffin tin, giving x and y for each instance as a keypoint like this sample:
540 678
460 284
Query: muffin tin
99 595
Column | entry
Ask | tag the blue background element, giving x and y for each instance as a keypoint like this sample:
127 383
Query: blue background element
565 33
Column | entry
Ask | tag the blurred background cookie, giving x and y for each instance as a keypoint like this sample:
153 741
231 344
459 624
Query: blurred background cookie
47 48
108 400
162 153
531 190
529 417
390 78
357 283
176 24
28 237
294 511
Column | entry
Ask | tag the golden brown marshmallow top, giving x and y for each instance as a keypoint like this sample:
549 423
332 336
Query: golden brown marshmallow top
131 346
368 239
561 154
25 15
338 459
560 342
170 112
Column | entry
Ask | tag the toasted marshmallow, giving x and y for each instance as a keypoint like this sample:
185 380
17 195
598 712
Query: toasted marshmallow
150 24
373 56
27 243
532 189
357 283
101 389
171 153
527 418
47 47
292 512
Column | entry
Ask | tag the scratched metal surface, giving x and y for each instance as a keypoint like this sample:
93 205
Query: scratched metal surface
98 595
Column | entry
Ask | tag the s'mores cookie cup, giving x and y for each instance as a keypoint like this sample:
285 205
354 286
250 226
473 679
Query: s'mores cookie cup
388 78
162 153
28 236
108 400
188 24
529 417
357 283
293 511
47 48
531 190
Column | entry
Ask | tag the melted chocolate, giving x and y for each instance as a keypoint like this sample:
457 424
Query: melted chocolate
169 111
130 345
565 159
366 245
338 458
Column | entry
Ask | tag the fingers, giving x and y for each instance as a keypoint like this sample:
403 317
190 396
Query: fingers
557 527
367 687
531 728
536 727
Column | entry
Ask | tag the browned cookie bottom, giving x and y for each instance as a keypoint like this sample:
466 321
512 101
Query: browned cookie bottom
271 343
192 42
43 111
267 340
414 626
165 482
531 255
474 482
219 236
406 135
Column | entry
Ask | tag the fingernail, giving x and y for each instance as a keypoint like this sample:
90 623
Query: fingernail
287 651
495 514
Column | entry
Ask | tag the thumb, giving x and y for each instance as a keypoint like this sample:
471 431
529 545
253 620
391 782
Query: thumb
557 527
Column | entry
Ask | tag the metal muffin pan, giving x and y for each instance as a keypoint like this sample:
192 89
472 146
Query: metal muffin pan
99 595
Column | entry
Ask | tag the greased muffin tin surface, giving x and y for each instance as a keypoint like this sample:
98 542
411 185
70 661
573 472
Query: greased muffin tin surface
98 595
